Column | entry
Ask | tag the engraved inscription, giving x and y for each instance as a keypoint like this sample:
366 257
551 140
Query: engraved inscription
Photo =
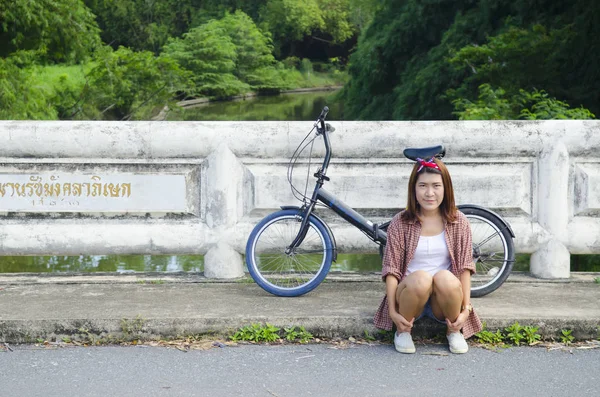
71 192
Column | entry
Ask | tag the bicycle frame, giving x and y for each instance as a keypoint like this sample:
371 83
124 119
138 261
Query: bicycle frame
319 194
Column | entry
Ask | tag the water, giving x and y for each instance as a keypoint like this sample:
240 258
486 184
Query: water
150 263
359 263
288 107
101 263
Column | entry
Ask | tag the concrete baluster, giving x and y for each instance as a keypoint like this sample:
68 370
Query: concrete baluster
552 259
224 178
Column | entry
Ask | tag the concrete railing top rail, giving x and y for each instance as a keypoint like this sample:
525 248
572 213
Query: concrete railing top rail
352 139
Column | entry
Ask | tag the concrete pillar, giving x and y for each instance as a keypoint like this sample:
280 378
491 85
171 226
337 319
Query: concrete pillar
552 259
222 261
224 204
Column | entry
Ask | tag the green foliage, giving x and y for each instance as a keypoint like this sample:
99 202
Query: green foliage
491 105
545 108
531 334
414 52
490 338
291 19
597 280
513 59
306 66
123 81
210 54
566 336
337 19
496 104
256 333
300 335
255 63
515 333
58 31
362 12
328 21
229 56
20 97
148 25
368 336
270 333
64 87
141 24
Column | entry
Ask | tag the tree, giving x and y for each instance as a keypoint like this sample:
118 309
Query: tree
148 24
59 31
143 24
402 69
209 53
228 56
515 59
20 99
291 19
255 63
123 81
497 104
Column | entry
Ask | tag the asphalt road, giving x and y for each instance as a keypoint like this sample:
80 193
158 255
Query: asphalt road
296 370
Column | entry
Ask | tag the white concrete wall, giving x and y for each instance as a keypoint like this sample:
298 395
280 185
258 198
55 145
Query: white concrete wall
544 177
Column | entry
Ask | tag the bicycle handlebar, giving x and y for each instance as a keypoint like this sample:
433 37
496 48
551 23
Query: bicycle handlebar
323 114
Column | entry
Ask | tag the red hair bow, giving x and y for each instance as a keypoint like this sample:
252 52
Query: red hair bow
428 164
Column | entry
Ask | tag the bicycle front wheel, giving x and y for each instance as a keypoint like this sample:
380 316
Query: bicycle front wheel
294 273
493 251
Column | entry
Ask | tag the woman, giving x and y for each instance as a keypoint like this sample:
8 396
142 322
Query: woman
428 262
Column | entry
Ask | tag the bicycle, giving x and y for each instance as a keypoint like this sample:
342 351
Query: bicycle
289 252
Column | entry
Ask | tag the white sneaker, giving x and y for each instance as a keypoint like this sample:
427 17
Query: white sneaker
457 342
404 343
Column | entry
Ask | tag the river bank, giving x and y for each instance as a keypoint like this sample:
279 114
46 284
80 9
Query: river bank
205 101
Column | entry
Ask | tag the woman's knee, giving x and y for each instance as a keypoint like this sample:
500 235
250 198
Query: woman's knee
444 282
419 283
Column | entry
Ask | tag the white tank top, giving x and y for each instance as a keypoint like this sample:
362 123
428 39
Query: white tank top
432 255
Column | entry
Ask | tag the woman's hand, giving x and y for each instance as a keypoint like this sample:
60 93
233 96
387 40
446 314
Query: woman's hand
457 325
402 324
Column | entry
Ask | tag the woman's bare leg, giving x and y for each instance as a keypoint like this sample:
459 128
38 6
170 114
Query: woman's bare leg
412 294
447 296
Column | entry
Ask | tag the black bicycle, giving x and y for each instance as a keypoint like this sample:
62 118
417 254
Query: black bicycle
290 252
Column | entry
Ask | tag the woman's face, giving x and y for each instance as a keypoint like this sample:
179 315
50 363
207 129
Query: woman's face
429 191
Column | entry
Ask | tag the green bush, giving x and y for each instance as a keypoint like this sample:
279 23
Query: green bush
306 66
229 56
124 81
20 97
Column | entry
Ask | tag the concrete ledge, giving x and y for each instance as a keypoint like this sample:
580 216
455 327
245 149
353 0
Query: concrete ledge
50 311
198 277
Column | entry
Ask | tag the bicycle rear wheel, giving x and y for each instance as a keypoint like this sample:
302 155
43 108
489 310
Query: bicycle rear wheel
493 251
292 274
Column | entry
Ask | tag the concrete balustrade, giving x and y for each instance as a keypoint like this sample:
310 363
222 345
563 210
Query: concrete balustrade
70 188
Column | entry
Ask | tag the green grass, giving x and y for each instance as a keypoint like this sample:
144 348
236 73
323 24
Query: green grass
321 79
51 77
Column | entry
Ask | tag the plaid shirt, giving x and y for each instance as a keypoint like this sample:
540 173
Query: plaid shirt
402 240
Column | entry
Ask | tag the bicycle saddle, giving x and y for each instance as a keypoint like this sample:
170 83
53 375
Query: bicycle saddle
425 153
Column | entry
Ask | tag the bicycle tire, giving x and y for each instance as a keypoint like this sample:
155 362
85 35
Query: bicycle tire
482 285
493 251
292 274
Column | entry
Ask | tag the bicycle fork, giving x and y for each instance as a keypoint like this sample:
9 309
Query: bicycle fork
303 229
